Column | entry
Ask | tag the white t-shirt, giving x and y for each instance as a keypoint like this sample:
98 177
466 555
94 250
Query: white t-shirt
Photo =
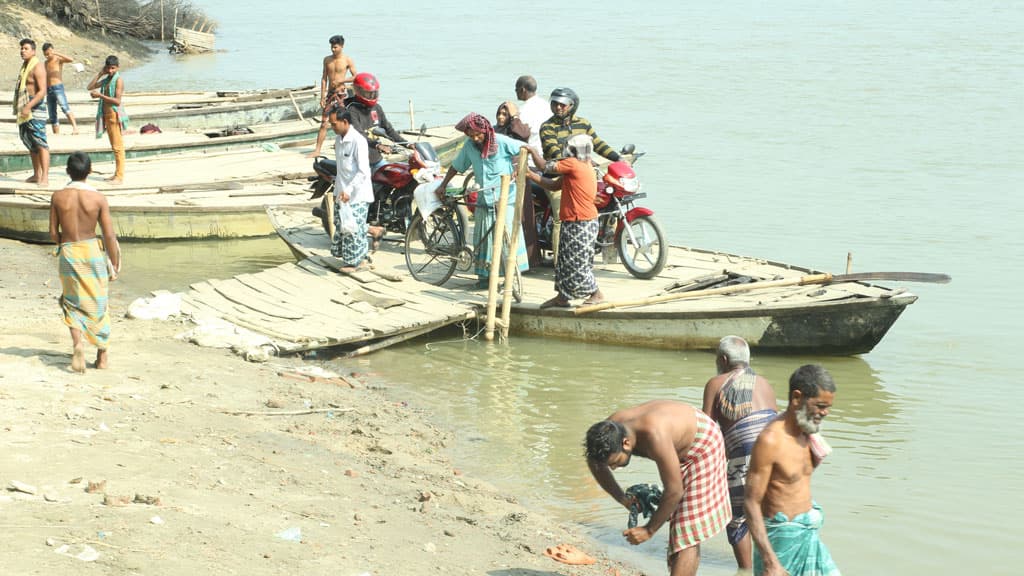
533 112
352 154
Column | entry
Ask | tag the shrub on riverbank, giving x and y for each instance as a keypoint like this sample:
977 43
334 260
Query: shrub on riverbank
150 20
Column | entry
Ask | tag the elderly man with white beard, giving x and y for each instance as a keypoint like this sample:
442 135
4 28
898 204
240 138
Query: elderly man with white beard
783 519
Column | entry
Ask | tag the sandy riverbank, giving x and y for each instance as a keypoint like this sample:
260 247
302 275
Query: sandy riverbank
17 22
366 488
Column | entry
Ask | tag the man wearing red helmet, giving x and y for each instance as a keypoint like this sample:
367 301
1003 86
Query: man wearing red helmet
367 114
339 70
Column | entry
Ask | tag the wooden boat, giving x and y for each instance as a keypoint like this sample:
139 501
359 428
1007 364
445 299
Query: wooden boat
192 41
14 156
212 195
200 110
231 211
837 318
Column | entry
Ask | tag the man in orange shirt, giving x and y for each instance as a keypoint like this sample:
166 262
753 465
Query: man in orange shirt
574 267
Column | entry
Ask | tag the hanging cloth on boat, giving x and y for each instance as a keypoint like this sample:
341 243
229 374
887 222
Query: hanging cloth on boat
109 88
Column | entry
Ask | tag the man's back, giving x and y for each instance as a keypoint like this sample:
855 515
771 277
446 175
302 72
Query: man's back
77 211
655 420
723 388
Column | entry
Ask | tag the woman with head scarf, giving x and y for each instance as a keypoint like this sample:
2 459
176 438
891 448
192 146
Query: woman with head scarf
490 155
509 124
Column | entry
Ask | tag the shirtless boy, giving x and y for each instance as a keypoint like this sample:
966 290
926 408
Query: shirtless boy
339 70
30 109
55 95
84 270
687 447
783 519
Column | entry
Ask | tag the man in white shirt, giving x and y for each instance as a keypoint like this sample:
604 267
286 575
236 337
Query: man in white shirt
352 187
534 110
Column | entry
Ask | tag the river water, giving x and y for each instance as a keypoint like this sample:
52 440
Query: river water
795 130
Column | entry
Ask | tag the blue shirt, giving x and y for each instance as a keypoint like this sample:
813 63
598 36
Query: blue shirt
488 171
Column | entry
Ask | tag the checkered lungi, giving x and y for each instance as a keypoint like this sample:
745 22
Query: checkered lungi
351 248
574 272
704 510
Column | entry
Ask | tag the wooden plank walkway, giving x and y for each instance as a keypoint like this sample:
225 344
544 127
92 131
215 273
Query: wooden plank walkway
308 305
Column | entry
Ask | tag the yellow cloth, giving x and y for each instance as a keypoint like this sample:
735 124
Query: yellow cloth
84 280
21 94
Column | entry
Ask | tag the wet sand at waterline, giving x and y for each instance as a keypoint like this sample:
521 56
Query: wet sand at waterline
362 484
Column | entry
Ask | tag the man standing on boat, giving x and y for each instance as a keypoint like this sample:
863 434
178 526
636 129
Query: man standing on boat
687 446
108 87
87 264
554 136
339 70
533 111
784 520
742 403
30 111
352 187
55 95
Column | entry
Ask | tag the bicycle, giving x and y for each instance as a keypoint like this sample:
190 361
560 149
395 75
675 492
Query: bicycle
434 248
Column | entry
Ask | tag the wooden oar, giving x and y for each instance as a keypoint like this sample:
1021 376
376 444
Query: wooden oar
799 281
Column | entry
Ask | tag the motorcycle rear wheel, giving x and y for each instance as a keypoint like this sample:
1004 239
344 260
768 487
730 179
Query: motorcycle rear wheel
432 248
647 259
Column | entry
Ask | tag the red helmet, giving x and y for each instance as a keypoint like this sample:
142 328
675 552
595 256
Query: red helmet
366 87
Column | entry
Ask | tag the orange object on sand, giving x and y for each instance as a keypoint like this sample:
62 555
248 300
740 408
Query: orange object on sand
568 554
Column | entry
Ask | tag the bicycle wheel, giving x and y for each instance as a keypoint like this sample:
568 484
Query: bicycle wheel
517 276
432 248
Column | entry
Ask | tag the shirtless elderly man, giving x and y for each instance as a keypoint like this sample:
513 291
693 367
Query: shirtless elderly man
687 447
742 403
84 269
784 520
339 70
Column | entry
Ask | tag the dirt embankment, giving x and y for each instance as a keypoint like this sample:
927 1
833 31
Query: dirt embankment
17 22
181 460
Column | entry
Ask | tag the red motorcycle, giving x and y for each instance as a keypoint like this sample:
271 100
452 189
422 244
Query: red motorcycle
632 229
393 186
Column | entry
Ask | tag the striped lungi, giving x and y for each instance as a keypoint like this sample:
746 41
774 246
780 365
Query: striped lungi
574 271
83 280
739 442
351 248
704 509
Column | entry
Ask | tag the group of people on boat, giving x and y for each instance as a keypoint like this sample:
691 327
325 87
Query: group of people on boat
560 145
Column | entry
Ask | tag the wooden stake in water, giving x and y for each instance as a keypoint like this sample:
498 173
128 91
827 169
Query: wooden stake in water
849 262
499 231
510 257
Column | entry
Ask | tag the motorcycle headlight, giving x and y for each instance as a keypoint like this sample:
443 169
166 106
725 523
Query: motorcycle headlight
631 185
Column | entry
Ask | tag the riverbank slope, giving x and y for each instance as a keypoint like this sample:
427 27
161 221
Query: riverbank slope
17 22
183 483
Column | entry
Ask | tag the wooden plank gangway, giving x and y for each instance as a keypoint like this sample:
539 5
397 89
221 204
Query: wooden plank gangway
308 305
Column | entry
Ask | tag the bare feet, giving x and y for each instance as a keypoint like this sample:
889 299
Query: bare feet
596 298
101 360
78 358
31 179
75 132
568 554
43 184
313 154
350 269
556 302
114 180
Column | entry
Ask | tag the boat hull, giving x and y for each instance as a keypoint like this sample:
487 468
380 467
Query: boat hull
839 328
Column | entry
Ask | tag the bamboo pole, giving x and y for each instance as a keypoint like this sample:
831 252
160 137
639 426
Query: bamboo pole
849 262
162 21
810 279
295 104
499 231
510 258
412 116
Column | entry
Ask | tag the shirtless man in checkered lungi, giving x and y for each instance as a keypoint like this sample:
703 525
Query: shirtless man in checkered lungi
688 448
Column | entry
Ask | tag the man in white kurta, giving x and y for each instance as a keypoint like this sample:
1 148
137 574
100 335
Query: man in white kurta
352 187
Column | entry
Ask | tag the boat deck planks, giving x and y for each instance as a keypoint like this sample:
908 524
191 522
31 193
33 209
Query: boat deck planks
305 306
811 311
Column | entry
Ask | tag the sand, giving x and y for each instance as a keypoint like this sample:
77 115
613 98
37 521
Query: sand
362 485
